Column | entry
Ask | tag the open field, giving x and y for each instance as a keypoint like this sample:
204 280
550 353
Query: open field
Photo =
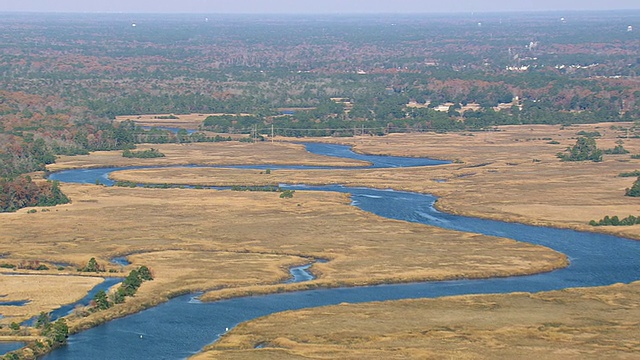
184 121
593 323
237 243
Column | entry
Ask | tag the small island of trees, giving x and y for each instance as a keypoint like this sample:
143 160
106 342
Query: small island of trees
584 149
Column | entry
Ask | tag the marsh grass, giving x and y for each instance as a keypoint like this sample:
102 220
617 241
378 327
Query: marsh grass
546 325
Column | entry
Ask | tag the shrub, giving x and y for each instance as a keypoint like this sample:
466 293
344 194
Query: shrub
43 321
144 273
92 266
635 173
634 191
59 332
102 303
591 134
616 221
287 194
617 150
144 154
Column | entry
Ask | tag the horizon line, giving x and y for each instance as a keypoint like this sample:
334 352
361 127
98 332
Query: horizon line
318 13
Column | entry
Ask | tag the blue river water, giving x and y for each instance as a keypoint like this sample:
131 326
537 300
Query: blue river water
181 326
5 347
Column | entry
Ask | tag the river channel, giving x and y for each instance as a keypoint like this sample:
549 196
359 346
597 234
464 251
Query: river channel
181 327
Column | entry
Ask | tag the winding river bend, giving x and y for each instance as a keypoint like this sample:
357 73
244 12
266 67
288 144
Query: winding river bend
181 327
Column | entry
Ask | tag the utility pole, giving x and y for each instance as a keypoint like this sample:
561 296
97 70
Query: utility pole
272 133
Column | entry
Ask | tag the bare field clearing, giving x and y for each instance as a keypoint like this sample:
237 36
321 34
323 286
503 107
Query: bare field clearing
185 121
592 323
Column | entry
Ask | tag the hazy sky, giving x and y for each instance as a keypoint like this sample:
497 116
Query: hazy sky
311 6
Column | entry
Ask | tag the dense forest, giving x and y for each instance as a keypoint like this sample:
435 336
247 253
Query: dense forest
64 78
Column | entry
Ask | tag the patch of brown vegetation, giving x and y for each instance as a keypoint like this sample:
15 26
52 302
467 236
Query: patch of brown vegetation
44 293
591 323
225 153
184 121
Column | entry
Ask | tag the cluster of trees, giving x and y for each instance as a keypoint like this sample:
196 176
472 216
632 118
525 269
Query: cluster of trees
635 173
129 287
55 335
634 190
584 149
32 265
23 192
56 332
615 221
617 150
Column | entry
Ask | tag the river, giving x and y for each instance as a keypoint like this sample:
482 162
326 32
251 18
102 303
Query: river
181 326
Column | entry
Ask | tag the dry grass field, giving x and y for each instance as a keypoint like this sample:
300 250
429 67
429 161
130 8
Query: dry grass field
44 292
185 121
223 153
235 243
595 323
